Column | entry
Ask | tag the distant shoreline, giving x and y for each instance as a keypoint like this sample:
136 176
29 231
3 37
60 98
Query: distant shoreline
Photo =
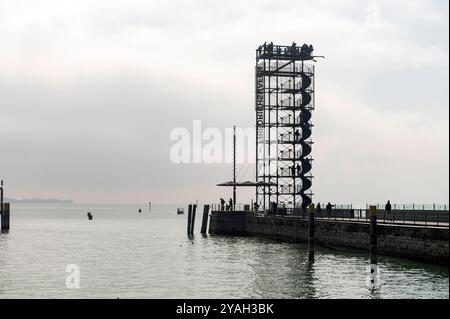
38 201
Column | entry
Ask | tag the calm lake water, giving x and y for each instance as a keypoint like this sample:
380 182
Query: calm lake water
124 254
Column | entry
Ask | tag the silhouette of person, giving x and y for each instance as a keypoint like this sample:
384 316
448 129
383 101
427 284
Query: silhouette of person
297 135
293 170
388 208
274 207
329 207
304 208
270 47
318 208
230 202
304 50
299 169
222 204
293 48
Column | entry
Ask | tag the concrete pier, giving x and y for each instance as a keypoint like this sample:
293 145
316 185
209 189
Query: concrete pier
429 244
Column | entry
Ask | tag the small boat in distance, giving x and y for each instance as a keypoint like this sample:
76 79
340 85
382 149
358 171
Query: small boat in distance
180 211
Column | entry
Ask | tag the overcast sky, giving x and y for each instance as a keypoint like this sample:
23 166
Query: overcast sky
91 90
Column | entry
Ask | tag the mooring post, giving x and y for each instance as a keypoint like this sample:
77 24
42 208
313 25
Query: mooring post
311 232
189 219
373 239
194 209
205 219
5 216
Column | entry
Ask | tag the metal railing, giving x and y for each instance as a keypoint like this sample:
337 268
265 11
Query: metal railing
396 206
346 213
236 207
402 217
429 207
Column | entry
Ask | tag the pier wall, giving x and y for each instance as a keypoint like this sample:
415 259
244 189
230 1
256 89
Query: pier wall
428 244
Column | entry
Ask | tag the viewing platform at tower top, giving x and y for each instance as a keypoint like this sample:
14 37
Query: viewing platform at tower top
284 52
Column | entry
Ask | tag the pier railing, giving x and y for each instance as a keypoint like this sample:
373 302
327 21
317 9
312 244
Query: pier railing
420 215
405 217
395 206
237 207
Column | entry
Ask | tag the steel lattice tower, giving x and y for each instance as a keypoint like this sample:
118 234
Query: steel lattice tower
284 101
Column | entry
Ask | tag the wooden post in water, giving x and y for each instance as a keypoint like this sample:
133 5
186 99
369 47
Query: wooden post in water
189 219
1 197
5 217
194 210
205 219
373 238
311 233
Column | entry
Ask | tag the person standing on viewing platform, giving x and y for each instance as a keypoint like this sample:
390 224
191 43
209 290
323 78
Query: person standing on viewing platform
222 204
388 208
230 203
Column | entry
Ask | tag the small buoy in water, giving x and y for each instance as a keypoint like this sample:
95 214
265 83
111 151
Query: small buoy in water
89 215
140 210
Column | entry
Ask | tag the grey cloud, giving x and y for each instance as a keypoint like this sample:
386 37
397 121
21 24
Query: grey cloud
89 96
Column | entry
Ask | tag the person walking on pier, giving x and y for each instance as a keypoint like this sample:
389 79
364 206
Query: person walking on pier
388 208
329 208
222 204
318 208
293 170
304 207
299 170
274 207
230 203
